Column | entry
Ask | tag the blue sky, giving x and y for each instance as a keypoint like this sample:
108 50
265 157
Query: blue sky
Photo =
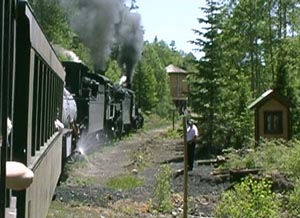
171 20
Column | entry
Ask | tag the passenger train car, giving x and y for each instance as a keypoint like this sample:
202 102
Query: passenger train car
37 104
51 104
33 78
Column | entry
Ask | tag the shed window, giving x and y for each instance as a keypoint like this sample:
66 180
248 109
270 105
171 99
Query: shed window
273 122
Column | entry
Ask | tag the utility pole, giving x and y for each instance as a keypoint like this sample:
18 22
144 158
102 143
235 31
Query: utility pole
185 183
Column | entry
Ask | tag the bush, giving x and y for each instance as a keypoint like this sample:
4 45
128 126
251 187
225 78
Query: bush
249 199
292 204
162 193
290 159
270 155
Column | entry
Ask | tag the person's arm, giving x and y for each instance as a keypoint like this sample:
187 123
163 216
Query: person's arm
18 176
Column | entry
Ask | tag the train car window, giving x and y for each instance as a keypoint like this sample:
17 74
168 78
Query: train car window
39 104
56 82
35 106
60 100
43 111
52 94
47 111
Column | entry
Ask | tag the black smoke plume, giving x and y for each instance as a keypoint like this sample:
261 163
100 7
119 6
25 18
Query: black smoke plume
101 24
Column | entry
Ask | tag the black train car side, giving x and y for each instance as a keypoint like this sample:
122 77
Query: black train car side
36 103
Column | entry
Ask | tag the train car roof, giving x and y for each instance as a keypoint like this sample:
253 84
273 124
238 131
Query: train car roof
39 42
98 77
75 64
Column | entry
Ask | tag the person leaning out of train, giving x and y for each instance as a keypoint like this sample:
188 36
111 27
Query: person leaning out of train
191 135
18 176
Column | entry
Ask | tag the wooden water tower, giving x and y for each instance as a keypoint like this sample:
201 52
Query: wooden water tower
272 116
178 86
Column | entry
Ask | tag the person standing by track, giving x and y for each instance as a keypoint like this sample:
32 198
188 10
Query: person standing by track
191 135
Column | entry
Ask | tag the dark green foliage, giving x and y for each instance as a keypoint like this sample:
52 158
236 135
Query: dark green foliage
113 71
162 200
53 20
287 78
273 157
251 199
55 25
144 84
292 202
208 84
154 60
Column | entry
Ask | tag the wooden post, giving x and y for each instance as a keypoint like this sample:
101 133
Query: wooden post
185 183
173 119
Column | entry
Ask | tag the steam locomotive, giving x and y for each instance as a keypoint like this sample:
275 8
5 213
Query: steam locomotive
105 111
51 104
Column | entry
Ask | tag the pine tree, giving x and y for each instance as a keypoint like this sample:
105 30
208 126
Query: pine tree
152 58
113 71
53 21
144 85
206 83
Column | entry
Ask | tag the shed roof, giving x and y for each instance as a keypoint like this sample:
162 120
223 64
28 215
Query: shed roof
267 95
173 69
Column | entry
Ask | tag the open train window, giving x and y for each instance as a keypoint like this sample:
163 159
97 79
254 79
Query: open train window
112 111
273 122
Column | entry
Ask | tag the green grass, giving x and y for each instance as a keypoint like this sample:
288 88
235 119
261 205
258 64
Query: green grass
153 121
59 210
124 182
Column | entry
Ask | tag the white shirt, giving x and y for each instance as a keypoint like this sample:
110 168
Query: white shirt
191 132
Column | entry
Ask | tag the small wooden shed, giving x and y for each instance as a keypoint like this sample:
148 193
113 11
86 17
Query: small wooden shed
178 86
272 116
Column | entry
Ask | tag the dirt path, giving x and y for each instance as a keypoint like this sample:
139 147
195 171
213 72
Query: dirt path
141 154
121 156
